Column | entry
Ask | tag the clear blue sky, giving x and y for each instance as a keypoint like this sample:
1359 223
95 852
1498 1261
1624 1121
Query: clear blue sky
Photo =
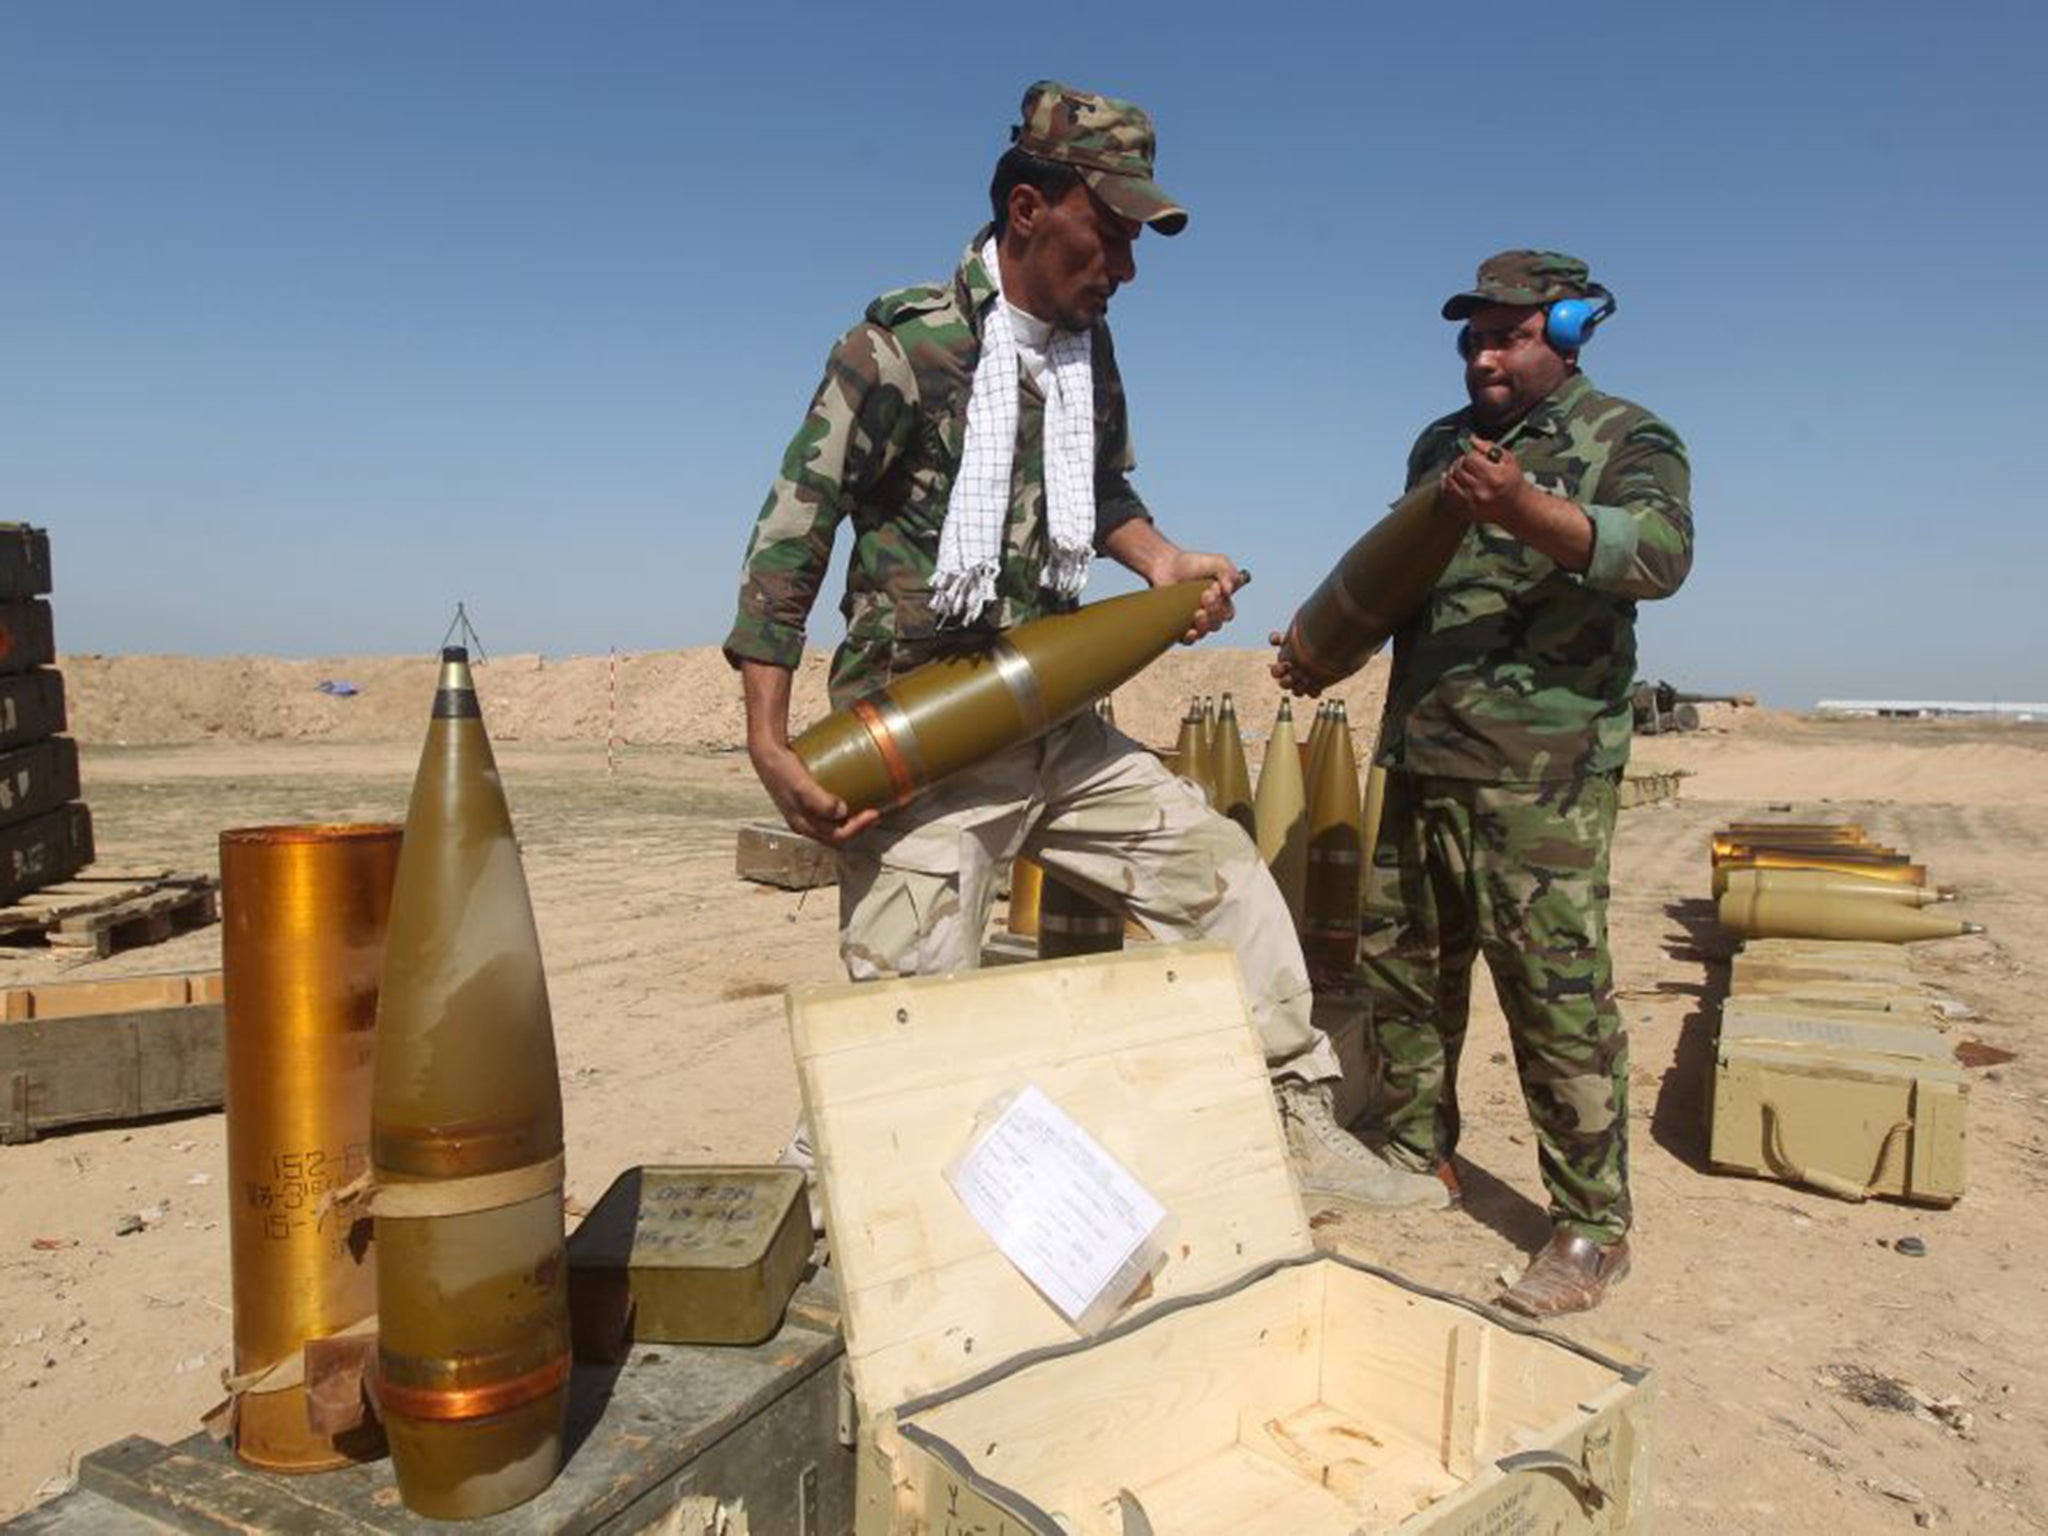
314 319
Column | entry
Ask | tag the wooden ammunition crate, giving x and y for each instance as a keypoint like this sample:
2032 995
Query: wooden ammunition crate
44 850
774 855
26 637
37 779
1256 1388
85 1052
24 561
1850 1106
31 706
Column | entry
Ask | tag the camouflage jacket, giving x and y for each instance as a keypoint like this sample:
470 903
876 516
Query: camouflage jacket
1517 670
880 446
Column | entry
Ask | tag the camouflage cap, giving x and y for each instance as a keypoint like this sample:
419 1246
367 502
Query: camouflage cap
1109 142
1523 277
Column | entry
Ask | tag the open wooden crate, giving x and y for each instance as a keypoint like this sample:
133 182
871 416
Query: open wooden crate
1257 1387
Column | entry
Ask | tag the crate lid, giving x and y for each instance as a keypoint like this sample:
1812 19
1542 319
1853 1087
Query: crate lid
1151 1051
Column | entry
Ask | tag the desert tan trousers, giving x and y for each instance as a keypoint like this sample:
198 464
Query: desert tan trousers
1092 805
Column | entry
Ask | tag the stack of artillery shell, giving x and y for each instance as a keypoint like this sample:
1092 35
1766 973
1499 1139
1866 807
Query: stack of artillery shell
303 914
466 1147
1281 814
890 745
1822 881
1336 836
1381 580
1227 767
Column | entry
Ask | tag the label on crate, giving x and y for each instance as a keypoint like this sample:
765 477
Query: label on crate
1060 1208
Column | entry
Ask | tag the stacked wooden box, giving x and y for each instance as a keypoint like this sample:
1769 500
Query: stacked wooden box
45 830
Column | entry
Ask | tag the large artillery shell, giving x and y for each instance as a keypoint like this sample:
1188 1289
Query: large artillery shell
1855 853
1826 882
1281 814
890 745
1227 766
1802 914
1329 937
302 942
1373 590
466 1142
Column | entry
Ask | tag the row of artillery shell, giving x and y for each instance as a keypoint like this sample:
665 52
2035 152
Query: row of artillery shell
1822 881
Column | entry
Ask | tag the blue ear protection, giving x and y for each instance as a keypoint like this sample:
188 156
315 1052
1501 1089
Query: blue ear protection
1568 324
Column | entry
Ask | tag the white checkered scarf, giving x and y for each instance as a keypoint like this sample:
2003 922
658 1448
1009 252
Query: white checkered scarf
971 543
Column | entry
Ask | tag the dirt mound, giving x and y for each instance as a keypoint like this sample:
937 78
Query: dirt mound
687 699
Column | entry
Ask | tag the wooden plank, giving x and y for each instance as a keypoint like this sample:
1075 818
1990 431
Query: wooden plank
1465 1372
1152 1051
73 999
147 919
109 1067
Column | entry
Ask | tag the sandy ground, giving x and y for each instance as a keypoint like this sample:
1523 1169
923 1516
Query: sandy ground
666 974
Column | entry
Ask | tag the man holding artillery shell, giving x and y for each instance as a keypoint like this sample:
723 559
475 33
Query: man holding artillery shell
1506 728
974 433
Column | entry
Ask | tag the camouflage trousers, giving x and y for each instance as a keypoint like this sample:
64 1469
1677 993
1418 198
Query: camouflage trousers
1517 872
1092 805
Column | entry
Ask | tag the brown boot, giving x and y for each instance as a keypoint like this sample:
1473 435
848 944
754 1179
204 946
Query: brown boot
1571 1274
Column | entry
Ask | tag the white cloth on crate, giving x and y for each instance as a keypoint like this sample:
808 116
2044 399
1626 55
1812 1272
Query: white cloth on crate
1062 364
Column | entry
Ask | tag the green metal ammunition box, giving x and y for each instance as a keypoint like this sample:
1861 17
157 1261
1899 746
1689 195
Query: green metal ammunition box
675 1255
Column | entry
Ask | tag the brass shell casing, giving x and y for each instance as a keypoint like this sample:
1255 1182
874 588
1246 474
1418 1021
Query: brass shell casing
1281 813
473 1346
303 912
1380 581
889 746
1899 873
1027 891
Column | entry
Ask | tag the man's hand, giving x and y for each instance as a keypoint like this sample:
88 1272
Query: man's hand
1485 485
1139 546
1224 579
1287 673
806 805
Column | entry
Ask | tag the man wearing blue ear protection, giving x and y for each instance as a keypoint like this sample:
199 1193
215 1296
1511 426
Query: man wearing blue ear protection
1506 728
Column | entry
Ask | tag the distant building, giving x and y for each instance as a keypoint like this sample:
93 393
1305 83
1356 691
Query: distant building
1930 709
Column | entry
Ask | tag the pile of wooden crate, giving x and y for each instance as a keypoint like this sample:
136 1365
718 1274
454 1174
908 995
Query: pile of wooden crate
45 830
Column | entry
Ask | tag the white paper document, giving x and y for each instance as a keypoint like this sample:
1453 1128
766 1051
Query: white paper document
1060 1208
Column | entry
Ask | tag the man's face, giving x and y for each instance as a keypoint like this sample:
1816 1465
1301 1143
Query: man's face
1073 255
1508 364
